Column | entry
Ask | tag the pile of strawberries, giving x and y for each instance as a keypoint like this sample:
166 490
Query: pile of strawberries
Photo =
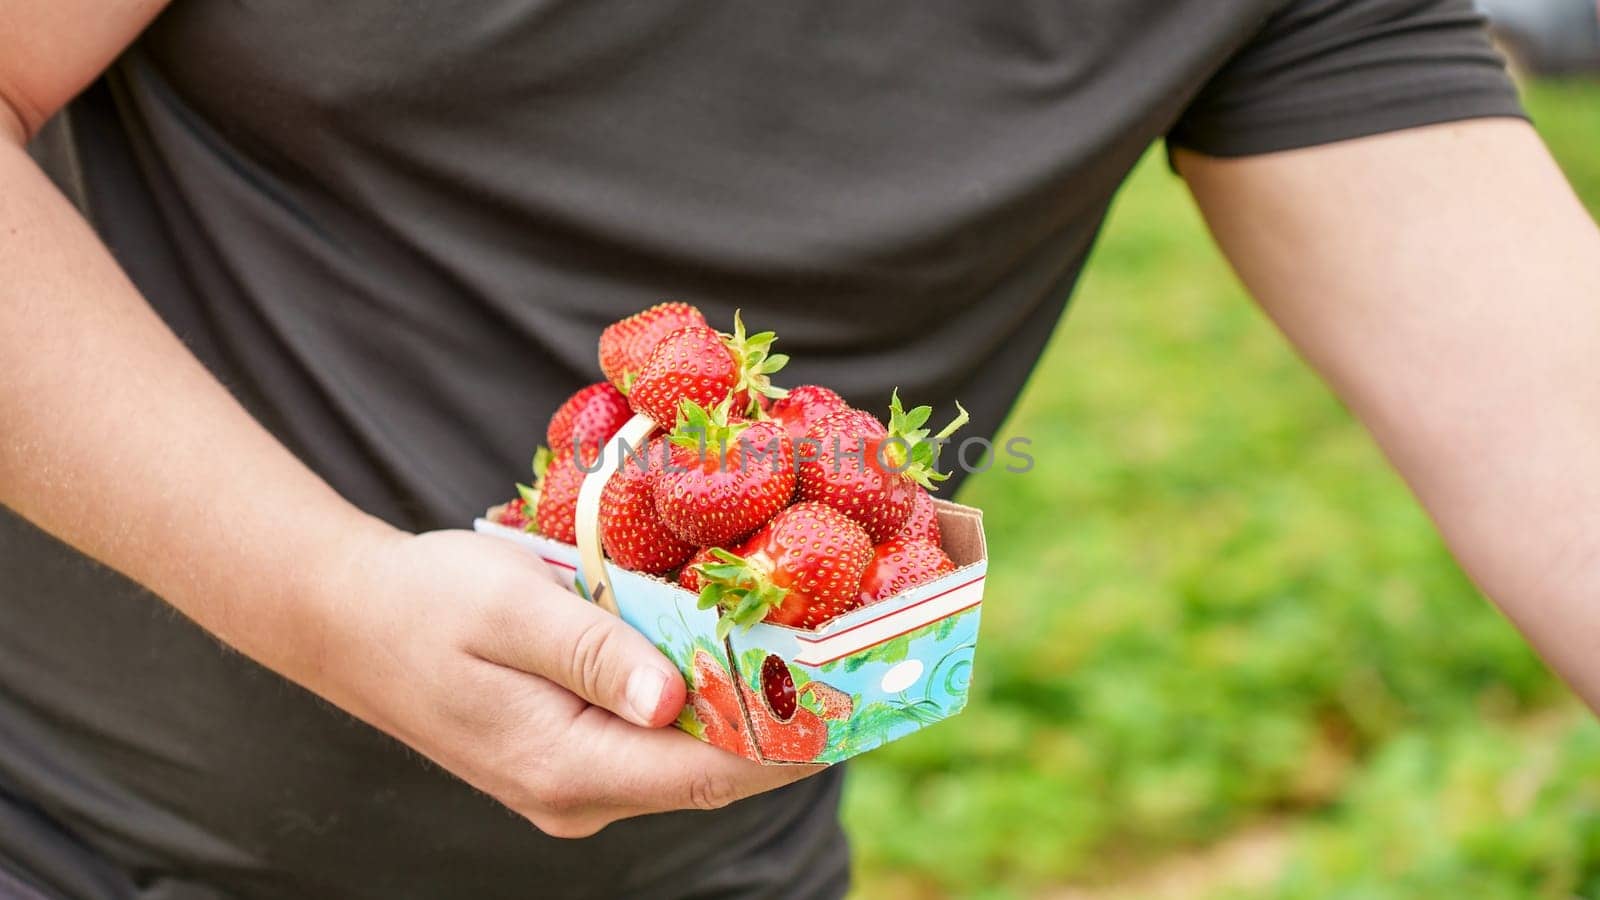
785 506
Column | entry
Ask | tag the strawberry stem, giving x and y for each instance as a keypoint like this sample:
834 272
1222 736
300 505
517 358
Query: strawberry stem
530 494
706 430
756 364
908 448
740 588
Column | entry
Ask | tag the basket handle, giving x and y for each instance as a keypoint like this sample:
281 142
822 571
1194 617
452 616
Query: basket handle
591 555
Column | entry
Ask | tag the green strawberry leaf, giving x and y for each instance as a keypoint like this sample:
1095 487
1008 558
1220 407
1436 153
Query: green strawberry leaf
742 591
756 363
908 448
701 429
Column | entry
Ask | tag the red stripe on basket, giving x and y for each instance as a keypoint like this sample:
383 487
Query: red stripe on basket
810 640
853 652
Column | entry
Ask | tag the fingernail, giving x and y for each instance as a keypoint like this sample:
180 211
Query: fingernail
644 693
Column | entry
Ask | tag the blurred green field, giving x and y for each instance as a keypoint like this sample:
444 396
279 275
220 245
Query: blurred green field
1214 612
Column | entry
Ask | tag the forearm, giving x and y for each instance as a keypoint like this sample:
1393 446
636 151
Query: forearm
1488 399
1447 282
116 440
1530 537
1500 439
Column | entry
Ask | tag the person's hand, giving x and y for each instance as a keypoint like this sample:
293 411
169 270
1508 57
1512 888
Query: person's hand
466 648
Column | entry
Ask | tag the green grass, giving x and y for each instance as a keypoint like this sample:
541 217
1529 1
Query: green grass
1211 605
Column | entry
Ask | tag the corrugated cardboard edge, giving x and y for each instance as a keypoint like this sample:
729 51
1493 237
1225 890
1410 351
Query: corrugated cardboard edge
744 708
961 527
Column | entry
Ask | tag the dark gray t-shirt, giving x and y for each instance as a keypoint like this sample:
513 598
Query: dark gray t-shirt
395 230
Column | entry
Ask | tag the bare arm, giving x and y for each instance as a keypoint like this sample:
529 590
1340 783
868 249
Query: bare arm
1446 282
99 393
462 646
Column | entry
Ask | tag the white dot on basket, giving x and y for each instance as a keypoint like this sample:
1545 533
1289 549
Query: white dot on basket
901 676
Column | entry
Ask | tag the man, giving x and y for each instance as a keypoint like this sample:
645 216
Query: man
357 251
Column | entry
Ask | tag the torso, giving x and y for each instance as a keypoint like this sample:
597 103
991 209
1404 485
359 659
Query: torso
396 230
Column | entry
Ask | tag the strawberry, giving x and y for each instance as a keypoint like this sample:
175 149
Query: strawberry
631 532
557 506
783 701
512 514
723 479
777 687
712 680
708 367
803 406
626 345
923 523
897 566
801 569
869 472
720 728
688 577
836 704
716 705
587 420
799 738
549 506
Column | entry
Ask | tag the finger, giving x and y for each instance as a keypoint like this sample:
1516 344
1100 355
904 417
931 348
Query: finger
547 631
633 771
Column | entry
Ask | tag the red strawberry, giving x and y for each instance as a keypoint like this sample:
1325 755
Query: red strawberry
588 420
800 738
777 687
689 364
724 479
625 345
688 577
801 569
923 523
557 506
699 364
871 473
713 681
631 532
523 512
803 406
549 507
512 514
836 704
897 566
717 706
720 729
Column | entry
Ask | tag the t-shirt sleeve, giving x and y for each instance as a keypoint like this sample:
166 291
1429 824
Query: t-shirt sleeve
1320 71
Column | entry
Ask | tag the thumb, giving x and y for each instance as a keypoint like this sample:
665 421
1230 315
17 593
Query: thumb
547 631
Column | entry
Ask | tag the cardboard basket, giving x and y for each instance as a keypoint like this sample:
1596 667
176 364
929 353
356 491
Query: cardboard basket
781 695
